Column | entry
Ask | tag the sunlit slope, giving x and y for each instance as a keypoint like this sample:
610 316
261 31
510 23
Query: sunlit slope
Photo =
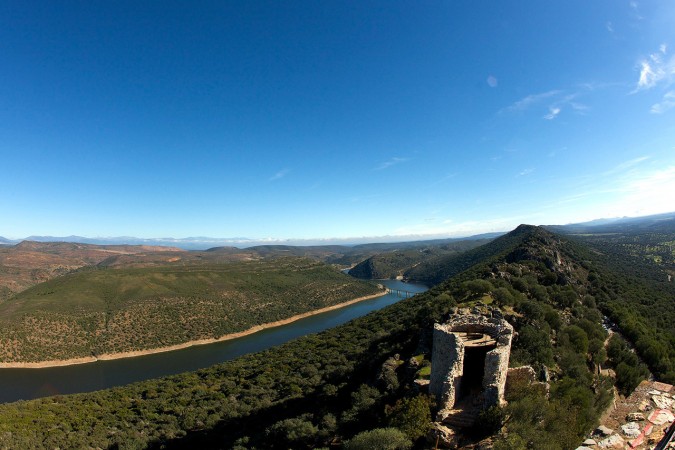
393 263
435 270
29 263
118 310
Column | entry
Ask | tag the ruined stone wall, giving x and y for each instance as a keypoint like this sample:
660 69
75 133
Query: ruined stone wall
494 380
448 358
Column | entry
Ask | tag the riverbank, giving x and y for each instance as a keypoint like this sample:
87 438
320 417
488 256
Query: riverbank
135 353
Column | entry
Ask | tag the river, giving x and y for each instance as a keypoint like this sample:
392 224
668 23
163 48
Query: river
25 384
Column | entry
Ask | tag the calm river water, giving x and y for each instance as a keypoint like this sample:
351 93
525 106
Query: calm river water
17 384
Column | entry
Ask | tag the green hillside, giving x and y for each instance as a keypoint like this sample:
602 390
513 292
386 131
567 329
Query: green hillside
633 283
356 381
95 312
391 264
442 267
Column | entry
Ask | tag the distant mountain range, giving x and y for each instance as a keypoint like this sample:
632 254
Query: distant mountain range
204 243
618 225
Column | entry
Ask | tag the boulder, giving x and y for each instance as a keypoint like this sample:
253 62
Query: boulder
443 436
614 441
603 431
661 417
631 429
635 417
589 442
662 402
645 406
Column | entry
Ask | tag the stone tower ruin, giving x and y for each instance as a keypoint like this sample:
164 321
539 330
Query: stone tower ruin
469 362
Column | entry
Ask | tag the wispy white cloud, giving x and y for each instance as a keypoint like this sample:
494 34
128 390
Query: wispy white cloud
609 27
553 112
624 166
656 69
529 101
646 193
631 188
449 227
592 86
525 172
392 162
666 103
579 107
280 174
441 180
636 10
555 101
648 77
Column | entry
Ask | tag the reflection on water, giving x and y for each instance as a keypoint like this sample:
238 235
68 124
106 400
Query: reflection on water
16 384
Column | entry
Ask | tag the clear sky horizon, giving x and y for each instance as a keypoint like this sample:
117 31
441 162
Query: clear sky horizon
304 120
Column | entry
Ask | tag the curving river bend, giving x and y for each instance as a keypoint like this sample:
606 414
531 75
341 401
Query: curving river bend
25 384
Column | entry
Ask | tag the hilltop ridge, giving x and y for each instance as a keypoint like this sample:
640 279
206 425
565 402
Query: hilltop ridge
436 270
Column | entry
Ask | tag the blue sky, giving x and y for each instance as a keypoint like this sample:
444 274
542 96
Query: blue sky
308 119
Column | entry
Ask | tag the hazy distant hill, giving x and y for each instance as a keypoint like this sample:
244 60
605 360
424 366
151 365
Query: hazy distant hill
395 263
189 243
204 243
28 262
654 223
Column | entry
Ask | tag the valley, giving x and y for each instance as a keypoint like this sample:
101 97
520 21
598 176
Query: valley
553 288
100 313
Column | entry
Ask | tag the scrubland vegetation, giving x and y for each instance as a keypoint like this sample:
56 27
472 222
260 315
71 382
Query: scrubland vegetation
354 385
104 311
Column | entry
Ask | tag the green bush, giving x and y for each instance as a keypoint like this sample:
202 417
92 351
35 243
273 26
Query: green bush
412 416
380 439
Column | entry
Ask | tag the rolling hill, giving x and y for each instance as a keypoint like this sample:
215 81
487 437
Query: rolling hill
396 263
359 377
109 311
28 263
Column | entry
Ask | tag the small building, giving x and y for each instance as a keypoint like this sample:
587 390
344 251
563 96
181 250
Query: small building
469 362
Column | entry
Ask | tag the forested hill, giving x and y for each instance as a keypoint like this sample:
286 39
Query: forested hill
440 268
110 311
634 282
392 264
354 385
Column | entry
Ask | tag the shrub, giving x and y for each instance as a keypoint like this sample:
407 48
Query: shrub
381 439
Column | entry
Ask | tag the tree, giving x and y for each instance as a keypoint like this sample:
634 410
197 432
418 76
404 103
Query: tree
412 416
576 337
293 431
477 287
381 439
